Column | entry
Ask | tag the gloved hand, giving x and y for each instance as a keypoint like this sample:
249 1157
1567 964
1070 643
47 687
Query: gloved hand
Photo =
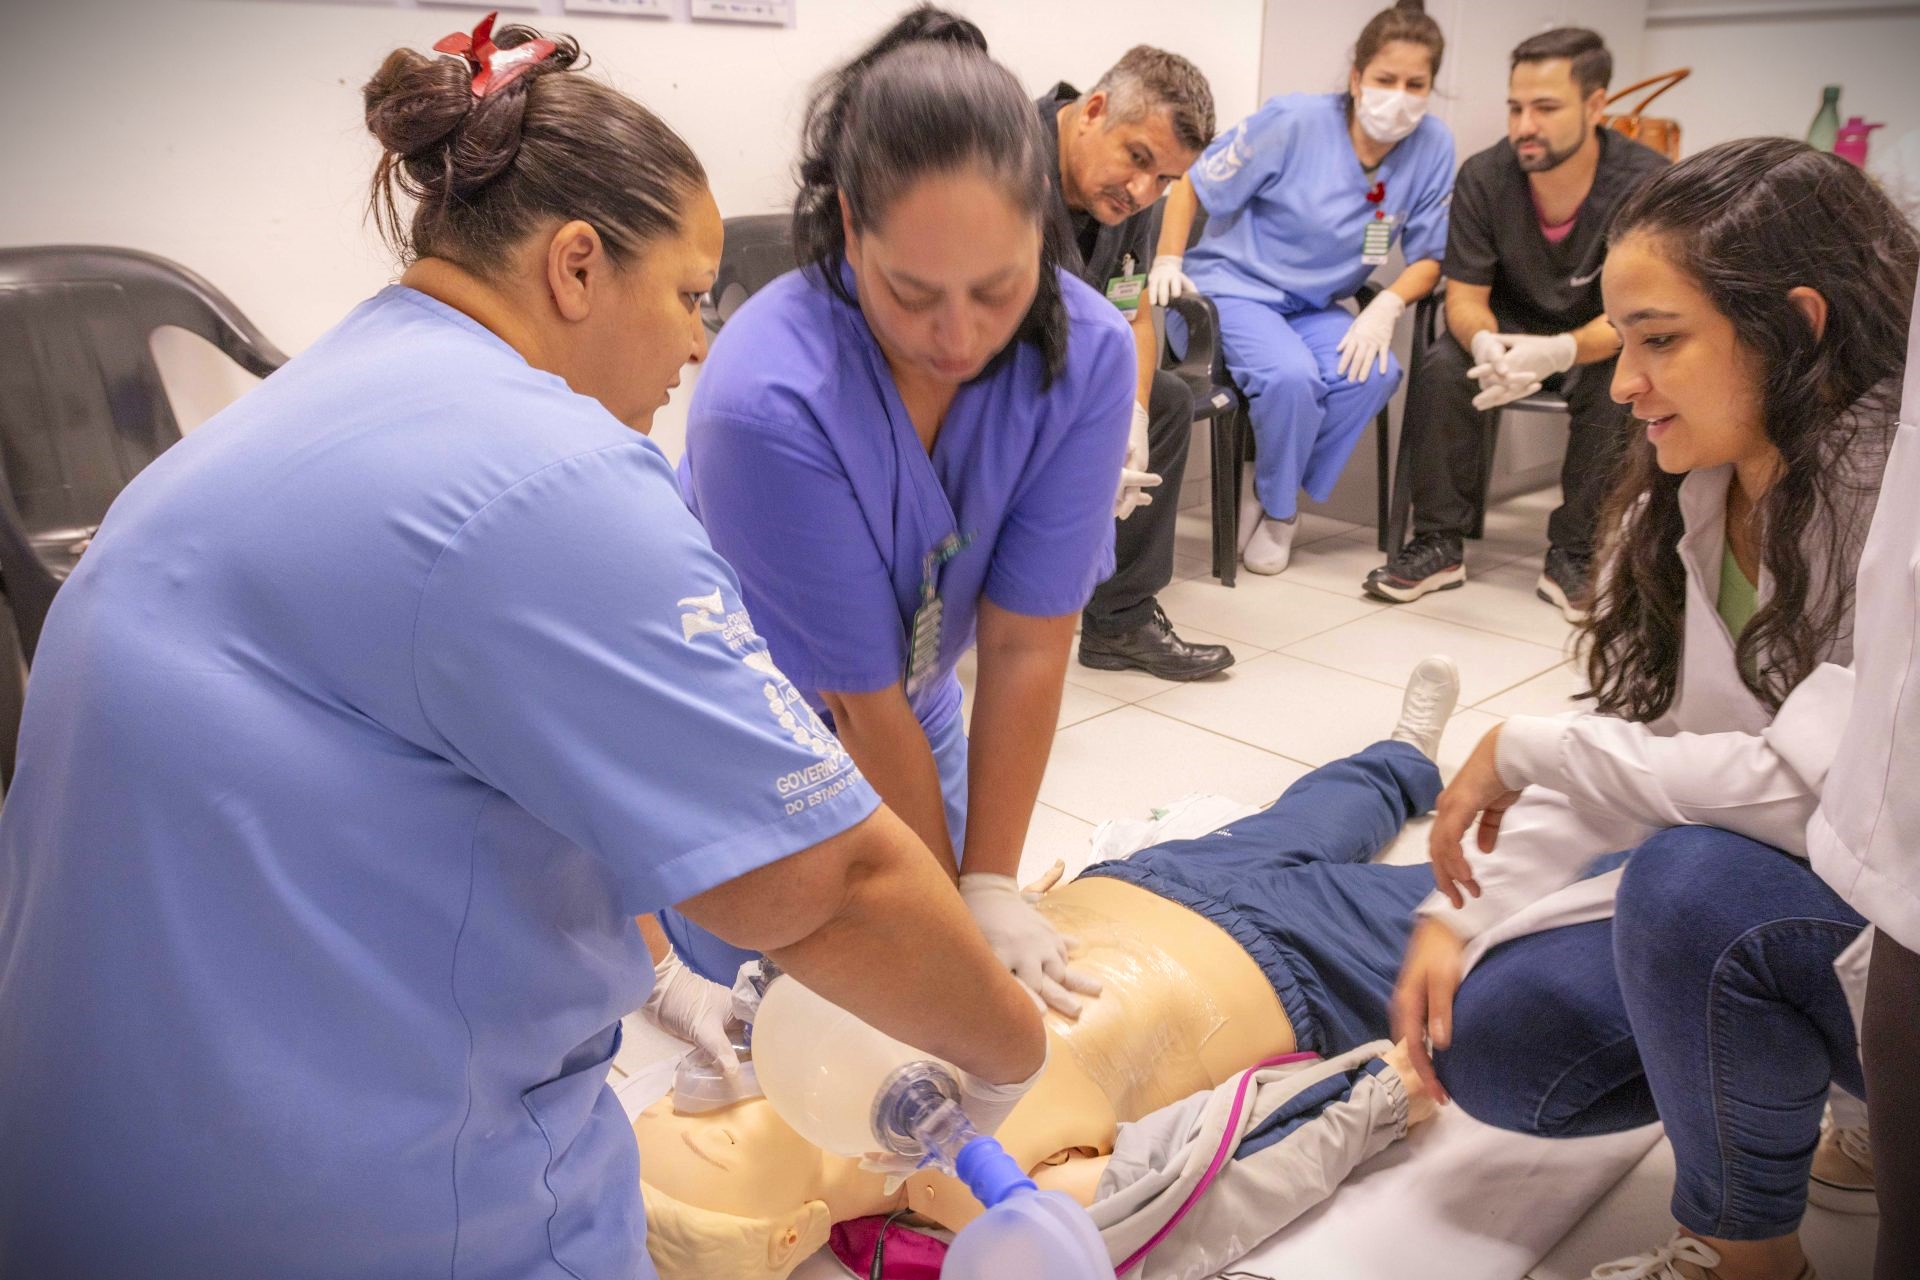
1135 479
986 1106
1513 366
1370 336
1166 281
1536 357
1025 942
1496 388
688 1007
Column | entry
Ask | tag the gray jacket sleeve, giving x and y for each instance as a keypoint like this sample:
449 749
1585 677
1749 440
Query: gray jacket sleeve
1334 1114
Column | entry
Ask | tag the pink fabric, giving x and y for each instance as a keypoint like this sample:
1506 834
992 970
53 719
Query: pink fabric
1554 234
910 1255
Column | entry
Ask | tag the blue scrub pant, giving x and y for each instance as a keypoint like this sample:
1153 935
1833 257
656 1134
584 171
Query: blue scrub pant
1708 1003
1306 417
720 961
1292 885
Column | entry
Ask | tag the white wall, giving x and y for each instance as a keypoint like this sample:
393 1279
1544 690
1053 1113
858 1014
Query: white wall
1308 48
227 134
1761 73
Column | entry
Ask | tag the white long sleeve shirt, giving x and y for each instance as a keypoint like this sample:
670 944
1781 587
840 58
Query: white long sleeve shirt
1865 837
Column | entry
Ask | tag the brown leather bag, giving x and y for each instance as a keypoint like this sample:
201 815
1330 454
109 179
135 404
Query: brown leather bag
1659 132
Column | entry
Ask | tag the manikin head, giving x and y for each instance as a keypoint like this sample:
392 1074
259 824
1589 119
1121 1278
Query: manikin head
1133 134
1556 94
760 1162
555 210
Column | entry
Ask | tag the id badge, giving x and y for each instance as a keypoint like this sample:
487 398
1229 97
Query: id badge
1377 240
1125 289
923 634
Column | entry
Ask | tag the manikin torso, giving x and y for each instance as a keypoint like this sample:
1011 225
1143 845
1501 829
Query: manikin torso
1183 1009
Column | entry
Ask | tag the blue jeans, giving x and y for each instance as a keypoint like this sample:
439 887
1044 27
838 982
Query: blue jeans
1708 1003
1293 887
719 961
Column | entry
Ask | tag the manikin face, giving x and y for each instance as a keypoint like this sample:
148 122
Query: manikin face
743 1160
946 275
1548 118
1112 170
1688 379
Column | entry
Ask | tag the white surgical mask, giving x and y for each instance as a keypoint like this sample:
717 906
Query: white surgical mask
1388 115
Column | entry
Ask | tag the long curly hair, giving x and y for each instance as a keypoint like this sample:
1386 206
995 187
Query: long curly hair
1749 221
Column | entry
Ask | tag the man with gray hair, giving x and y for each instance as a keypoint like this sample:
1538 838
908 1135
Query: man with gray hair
1118 147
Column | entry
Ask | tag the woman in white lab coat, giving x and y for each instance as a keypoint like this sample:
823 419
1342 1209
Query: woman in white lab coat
1865 839
1762 291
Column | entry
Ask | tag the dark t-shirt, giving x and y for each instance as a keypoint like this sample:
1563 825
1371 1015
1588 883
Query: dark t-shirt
1495 237
1094 252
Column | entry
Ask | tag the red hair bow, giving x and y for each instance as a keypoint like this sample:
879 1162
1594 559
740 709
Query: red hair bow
493 67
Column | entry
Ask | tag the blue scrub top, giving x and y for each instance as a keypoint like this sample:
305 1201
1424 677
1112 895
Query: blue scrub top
376 712
804 467
1287 203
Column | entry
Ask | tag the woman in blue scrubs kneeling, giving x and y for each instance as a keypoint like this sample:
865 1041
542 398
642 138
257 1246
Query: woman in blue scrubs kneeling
910 448
379 709
1304 198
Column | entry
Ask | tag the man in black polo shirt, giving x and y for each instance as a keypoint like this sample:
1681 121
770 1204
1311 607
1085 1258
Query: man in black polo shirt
1527 239
1117 149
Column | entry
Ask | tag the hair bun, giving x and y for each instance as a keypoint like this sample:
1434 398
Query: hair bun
441 139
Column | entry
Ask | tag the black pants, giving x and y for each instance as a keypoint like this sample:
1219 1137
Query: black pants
1890 1048
1143 542
1449 430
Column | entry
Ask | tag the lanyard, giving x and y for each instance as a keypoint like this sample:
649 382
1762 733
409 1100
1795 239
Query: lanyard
923 637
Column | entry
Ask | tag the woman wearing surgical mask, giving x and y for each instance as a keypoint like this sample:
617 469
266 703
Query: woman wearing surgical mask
1304 198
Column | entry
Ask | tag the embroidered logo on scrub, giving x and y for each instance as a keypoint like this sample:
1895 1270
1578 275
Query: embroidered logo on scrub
1228 157
802 788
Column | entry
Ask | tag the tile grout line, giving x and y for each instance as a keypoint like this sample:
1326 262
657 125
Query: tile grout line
1510 688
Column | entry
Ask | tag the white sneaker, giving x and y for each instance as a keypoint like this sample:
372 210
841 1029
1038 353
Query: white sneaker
1681 1258
1250 512
1842 1178
1271 547
1432 691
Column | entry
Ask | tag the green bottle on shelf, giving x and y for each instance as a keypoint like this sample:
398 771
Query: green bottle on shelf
1826 124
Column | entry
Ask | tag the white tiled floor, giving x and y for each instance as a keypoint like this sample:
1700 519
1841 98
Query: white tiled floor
1319 674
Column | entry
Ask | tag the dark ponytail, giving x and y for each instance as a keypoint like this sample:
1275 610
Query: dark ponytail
925 99
482 173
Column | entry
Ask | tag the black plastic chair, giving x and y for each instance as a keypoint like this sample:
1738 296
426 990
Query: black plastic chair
1427 319
758 251
82 407
1219 401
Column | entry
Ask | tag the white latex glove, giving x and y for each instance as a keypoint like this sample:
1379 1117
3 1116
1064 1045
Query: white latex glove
1370 336
1496 388
1135 479
1166 281
688 1007
1025 942
1536 357
1513 366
